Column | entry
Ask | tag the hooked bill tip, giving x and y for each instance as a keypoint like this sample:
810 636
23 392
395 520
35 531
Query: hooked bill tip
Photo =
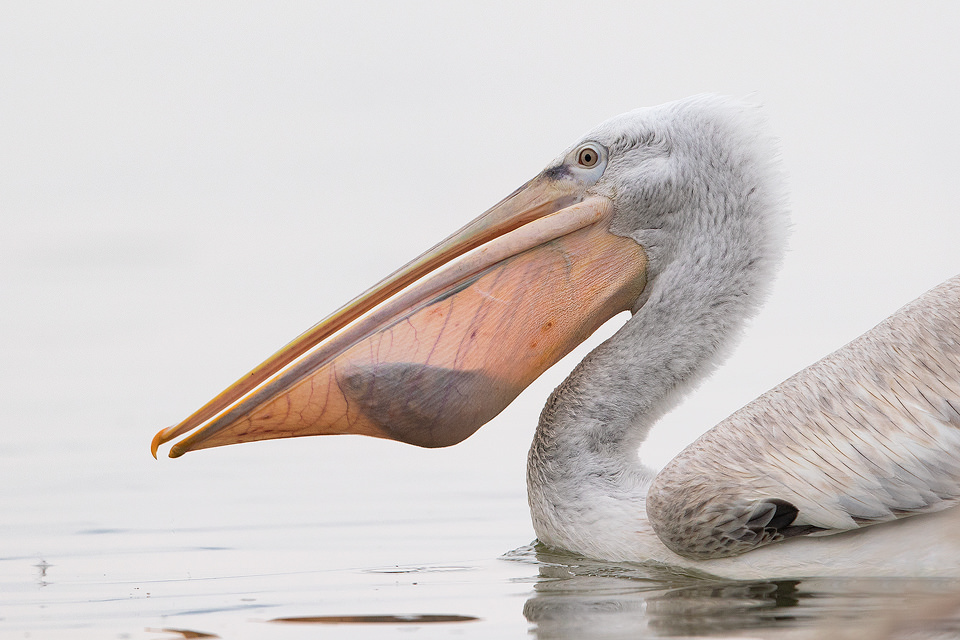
163 436
155 444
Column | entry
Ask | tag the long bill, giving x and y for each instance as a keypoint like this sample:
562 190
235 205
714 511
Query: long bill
441 346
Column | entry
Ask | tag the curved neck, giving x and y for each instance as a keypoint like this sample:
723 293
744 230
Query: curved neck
583 465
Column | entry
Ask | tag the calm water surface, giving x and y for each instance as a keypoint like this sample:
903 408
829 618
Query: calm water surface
337 537
92 552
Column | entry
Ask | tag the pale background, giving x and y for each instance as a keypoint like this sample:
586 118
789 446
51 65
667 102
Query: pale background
185 186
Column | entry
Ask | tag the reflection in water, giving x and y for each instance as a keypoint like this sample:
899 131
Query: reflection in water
42 566
410 619
728 607
577 597
186 633
430 569
137 590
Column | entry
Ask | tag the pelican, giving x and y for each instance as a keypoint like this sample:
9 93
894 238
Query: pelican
677 214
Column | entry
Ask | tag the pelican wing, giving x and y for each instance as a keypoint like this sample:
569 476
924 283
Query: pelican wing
869 434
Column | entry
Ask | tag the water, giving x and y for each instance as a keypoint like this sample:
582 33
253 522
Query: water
106 338
231 583
343 537
292 540
181 191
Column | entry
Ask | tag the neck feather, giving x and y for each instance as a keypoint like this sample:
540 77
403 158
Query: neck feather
583 465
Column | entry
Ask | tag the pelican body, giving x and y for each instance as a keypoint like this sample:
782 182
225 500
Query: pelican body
675 213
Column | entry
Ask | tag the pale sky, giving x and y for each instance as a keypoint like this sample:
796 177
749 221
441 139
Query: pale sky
185 186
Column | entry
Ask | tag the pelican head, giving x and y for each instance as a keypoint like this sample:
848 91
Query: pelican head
442 345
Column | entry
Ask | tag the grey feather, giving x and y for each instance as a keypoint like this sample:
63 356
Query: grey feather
866 435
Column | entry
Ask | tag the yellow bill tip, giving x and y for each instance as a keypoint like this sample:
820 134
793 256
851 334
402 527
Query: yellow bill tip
163 436
155 444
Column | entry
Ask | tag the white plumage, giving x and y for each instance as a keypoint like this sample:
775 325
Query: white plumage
676 213
868 435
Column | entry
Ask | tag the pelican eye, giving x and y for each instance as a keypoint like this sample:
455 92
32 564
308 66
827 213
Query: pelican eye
588 157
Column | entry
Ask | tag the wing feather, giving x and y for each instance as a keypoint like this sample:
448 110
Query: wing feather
869 434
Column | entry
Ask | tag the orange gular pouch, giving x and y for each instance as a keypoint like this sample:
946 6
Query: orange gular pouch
432 372
433 378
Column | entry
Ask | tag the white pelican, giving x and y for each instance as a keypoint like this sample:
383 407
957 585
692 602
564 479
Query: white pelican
675 213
